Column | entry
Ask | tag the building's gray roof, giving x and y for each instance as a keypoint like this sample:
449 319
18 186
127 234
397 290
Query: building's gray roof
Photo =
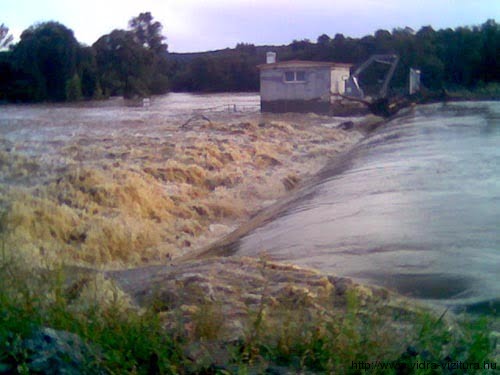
303 64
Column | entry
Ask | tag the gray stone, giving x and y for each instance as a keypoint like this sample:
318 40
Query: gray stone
59 352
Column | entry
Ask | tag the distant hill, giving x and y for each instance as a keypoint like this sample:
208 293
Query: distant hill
260 53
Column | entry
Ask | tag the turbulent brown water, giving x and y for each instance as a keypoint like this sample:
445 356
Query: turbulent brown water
415 207
23 120
116 184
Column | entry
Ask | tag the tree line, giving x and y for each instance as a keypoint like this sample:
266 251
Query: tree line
49 64
465 57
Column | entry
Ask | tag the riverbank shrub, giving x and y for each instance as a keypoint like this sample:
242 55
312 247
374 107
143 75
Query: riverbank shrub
488 91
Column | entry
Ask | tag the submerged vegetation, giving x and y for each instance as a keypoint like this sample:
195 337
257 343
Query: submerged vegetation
135 62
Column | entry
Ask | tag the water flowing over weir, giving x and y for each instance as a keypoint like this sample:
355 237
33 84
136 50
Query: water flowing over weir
415 207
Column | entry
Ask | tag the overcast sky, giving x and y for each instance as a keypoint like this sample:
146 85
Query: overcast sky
201 25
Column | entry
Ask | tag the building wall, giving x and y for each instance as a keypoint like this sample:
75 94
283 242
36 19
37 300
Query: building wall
339 76
316 86
301 106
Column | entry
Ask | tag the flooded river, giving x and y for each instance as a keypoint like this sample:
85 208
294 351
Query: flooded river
117 184
415 207
49 121
42 130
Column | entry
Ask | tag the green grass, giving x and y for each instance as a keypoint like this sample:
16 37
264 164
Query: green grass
291 335
490 91
120 340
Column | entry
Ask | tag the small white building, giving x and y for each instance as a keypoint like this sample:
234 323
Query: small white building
301 86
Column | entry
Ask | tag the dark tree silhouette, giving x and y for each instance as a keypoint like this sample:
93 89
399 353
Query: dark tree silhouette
123 64
5 38
49 64
148 33
48 53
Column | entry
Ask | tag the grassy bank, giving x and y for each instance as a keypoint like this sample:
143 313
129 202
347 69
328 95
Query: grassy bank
490 91
95 328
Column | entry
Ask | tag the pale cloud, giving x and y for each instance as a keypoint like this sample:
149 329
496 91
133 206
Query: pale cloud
194 25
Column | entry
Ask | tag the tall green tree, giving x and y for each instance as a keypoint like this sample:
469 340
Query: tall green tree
88 73
490 51
461 56
148 33
428 57
124 65
133 62
48 53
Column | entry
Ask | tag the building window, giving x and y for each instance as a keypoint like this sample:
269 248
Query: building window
295 76
300 76
289 76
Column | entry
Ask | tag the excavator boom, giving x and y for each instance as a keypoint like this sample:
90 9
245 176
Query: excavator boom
353 88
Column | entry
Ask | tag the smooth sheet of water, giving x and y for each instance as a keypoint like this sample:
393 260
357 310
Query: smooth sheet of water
415 207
